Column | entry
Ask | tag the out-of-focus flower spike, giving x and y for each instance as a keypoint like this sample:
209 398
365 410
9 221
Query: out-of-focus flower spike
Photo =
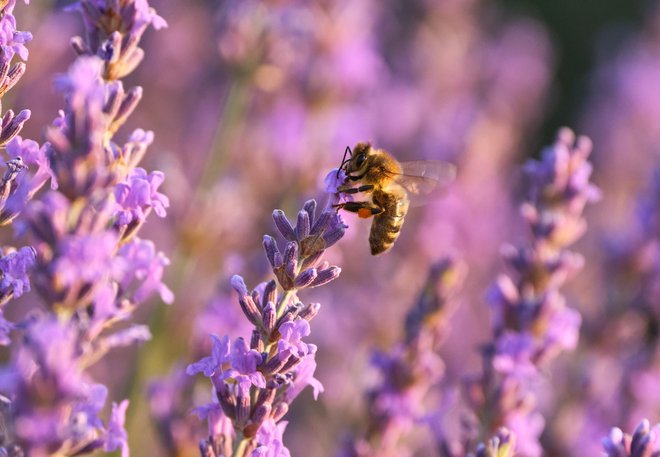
501 445
128 104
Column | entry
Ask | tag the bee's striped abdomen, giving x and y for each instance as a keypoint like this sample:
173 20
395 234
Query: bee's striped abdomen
387 225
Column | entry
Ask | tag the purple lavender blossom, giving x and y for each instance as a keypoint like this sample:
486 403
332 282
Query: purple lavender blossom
410 370
116 437
14 267
114 30
88 273
210 365
12 41
138 195
532 324
16 186
143 272
255 383
270 436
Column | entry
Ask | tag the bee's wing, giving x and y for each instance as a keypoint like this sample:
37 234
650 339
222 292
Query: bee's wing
425 179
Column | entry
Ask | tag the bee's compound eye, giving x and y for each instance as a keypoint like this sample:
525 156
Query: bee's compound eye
359 160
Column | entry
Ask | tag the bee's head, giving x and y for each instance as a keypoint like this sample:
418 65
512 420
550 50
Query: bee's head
357 162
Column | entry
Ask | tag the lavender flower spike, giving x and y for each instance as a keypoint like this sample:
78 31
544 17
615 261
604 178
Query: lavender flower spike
410 369
254 384
532 323
113 32
89 274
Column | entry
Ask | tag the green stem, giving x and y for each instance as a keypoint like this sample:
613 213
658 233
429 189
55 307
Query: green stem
240 449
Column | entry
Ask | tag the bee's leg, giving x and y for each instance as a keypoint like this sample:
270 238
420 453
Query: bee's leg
363 209
355 190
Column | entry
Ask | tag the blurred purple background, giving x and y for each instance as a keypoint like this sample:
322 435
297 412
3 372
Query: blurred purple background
252 102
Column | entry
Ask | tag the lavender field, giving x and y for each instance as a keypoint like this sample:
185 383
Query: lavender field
185 263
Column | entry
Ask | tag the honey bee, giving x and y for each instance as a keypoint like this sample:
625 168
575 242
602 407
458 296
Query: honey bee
391 185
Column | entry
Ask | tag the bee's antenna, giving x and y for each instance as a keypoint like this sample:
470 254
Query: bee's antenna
344 160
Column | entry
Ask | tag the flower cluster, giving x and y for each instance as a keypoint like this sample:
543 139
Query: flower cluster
87 265
255 381
531 322
411 368
18 183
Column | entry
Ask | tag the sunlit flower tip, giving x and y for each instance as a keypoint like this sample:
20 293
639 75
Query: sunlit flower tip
238 283
613 443
129 336
10 76
272 252
310 311
283 225
325 276
12 125
269 293
302 225
269 316
305 278
116 437
310 208
250 309
220 354
128 104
